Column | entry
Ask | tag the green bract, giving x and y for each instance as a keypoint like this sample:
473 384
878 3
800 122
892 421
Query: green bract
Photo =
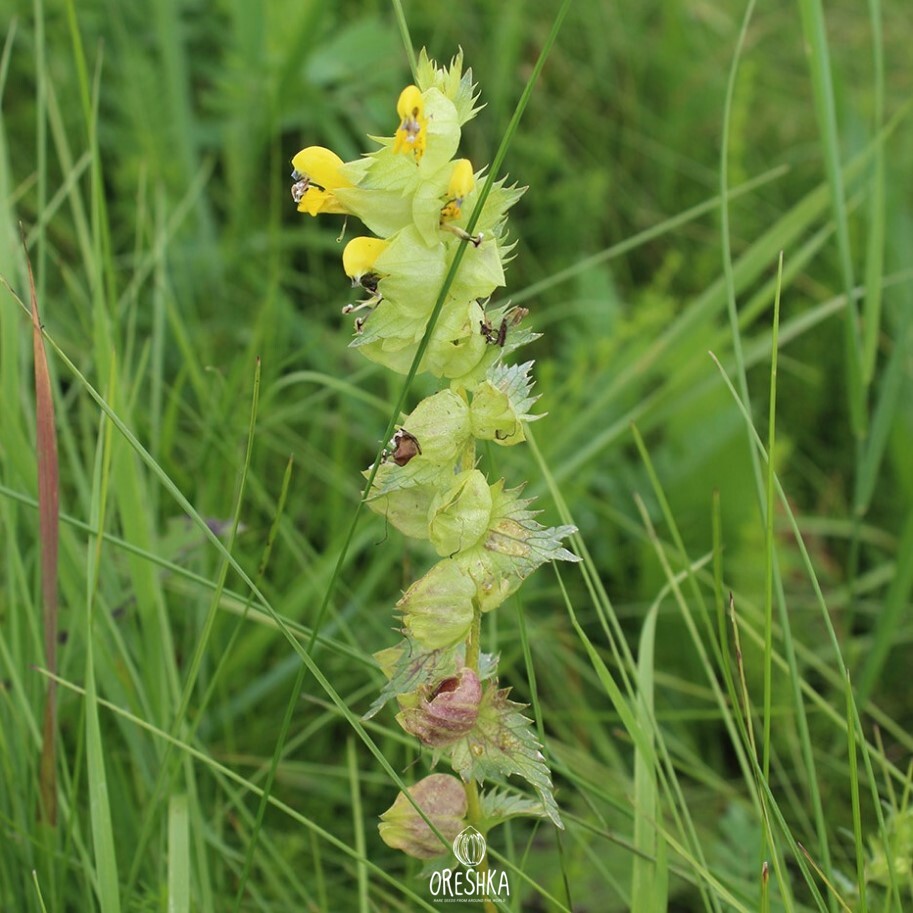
418 198
459 515
437 609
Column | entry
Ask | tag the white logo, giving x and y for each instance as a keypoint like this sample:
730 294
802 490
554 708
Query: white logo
469 847
455 885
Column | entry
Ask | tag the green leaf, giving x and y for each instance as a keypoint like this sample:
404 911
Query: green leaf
460 514
500 405
499 805
412 273
513 548
502 744
408 666
515 381
455 84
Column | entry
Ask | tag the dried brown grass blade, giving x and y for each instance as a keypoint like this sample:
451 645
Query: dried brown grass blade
48 519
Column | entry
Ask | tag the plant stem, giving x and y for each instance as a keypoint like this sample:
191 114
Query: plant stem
474 817
473 642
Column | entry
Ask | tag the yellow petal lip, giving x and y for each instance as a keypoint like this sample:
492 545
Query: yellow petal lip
316 201
411 134
359 255
317 174
462 181
410 103
322 166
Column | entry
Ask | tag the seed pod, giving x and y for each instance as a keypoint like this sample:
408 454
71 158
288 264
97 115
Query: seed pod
445 713
437 608
443 799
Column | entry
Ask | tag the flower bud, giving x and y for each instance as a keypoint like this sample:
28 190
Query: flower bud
446 713
459 516
443 799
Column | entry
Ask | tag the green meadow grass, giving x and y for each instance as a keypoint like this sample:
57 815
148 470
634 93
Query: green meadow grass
716 245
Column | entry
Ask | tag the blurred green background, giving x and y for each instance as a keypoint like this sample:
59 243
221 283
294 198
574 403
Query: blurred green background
145 149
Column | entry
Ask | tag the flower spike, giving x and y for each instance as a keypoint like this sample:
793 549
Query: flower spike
414 196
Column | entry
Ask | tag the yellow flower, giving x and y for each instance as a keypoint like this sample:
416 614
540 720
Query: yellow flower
410 137
316 176
358 259
462 180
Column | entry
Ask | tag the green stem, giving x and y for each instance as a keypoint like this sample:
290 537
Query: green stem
473 642
475 818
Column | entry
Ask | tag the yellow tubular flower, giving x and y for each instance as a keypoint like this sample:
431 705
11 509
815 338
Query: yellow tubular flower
462 180
359 255
412 132
316 176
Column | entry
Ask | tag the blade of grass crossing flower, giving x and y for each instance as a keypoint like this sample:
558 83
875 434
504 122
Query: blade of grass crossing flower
106 869
49 526
178 855
649 873
407 39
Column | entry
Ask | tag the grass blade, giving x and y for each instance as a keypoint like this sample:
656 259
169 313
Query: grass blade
649 875
48 521
815 35
178 855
